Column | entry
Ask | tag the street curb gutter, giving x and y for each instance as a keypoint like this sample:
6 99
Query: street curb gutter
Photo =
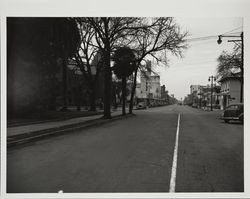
50 120
37 135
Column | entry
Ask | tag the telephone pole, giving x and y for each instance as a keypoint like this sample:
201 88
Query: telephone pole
212 79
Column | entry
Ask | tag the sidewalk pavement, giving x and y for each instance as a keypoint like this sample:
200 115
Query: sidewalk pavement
26 133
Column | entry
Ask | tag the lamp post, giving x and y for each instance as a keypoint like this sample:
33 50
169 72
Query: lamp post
212 79
219 41
147 93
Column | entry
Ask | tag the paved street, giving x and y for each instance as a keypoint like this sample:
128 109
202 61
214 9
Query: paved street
135 155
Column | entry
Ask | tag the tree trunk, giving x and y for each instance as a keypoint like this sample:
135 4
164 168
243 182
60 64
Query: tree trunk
92 98
124 95
52 97
131 105
107 83
78 98
65 105
114 96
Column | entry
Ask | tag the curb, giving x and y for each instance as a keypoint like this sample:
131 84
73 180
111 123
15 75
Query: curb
37 135
51 120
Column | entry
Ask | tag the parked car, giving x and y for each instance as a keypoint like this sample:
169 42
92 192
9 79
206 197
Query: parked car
141 105
234 112
194 105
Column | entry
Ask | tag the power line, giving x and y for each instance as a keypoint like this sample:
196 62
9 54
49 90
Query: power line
213 36
199 43
203 38
194 65
234 33
232 30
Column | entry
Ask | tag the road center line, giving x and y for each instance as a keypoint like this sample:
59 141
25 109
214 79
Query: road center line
174 165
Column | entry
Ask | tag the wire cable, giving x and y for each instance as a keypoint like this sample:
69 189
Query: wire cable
232 30
213 36
203 38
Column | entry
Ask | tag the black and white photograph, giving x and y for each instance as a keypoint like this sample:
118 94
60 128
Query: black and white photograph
109 104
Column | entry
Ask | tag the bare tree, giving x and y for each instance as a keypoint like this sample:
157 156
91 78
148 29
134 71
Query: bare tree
108 32
88 59
161 35
146 36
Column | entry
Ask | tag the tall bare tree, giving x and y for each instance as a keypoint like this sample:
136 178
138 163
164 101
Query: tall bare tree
161 35
89 59
147 36
108 32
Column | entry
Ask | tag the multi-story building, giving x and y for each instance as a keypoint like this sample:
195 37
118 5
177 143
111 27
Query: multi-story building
155 87
195 90
230 90
208 96
149 87
203 96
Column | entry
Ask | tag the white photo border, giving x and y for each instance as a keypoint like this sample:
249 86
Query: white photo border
173 8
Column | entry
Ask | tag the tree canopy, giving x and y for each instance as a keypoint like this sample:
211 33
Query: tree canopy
124 65
124 62
230 63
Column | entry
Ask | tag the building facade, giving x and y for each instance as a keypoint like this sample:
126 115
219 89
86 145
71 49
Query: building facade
203 96
149 86
195 91
230 91
155 87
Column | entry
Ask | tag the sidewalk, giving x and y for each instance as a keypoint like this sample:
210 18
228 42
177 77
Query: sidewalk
26 133
50 116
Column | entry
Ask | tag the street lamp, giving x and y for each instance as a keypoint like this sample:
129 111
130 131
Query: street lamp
211 78
219 41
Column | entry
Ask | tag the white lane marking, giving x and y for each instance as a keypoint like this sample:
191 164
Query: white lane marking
174 165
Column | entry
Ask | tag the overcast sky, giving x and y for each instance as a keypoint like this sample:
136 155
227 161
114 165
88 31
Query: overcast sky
199 60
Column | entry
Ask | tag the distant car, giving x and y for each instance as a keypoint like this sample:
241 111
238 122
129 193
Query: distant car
234 112
141 105
194 105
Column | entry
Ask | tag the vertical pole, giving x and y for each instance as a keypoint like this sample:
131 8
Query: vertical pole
133 92
211 93
242 67
124 87
212 78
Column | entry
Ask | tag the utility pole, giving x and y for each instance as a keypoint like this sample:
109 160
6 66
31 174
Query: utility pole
219 41
212 79
242 67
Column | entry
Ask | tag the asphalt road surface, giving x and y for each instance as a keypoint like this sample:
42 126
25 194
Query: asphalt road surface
135 155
